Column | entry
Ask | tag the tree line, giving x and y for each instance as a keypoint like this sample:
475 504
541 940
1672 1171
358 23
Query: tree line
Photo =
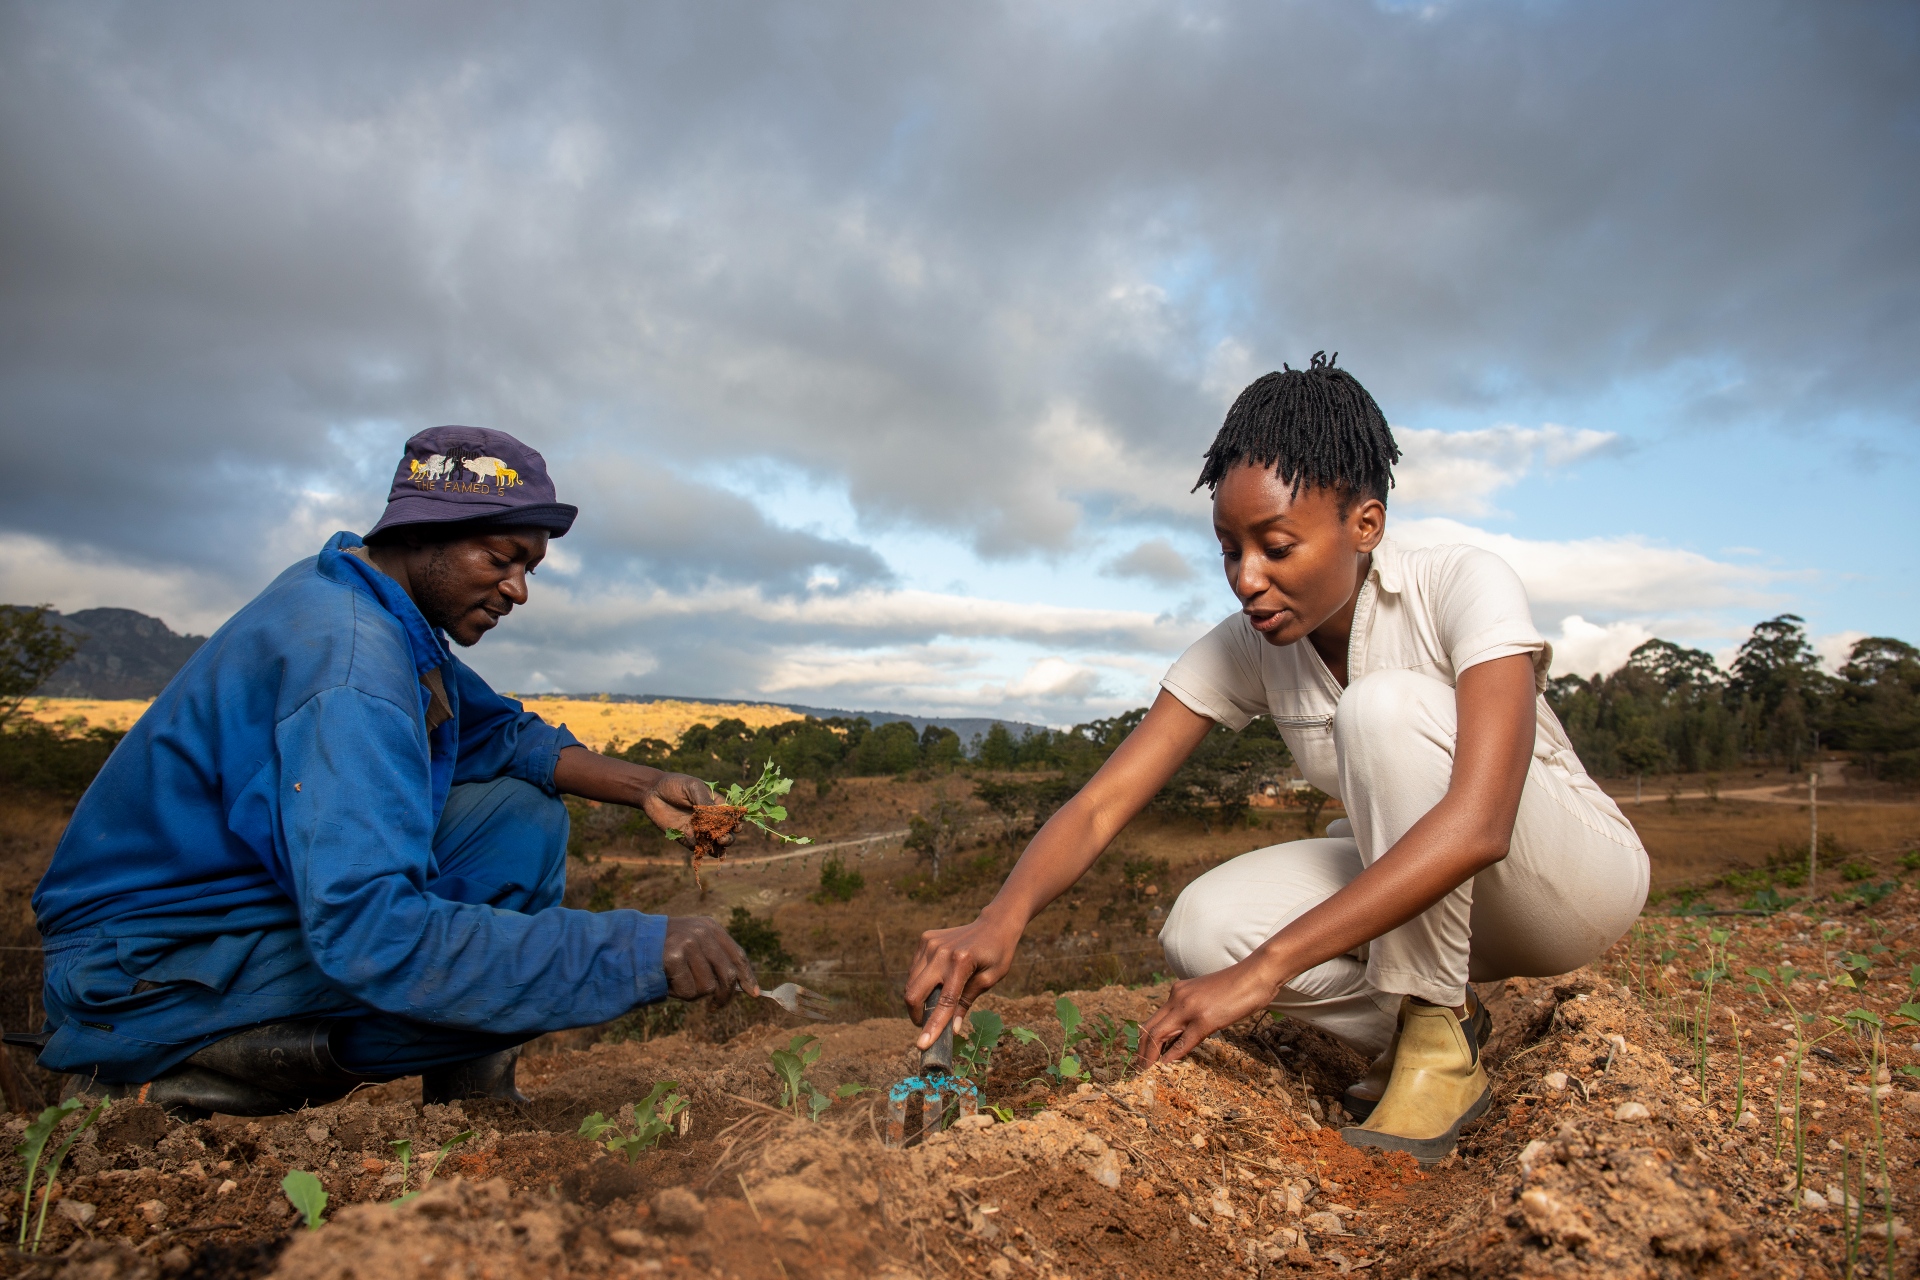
1671 708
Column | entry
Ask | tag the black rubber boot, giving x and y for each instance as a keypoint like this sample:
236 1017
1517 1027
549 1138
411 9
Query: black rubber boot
488 1077
263 1071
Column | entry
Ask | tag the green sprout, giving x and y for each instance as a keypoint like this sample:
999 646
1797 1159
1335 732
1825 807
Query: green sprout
797 1093
305 1193
973 1054
1069 1066
31 1148
648 1121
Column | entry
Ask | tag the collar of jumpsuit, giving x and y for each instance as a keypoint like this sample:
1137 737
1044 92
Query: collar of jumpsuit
1431 610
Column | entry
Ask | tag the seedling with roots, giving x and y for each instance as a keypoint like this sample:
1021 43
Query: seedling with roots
648 1121
33 1145
797 1093
757 803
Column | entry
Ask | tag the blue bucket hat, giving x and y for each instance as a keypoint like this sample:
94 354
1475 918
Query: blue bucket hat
471 474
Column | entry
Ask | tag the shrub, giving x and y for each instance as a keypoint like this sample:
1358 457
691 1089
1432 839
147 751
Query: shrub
838 882
1856 871
760 940
53 761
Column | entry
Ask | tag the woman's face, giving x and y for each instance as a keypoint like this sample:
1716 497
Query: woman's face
1293 561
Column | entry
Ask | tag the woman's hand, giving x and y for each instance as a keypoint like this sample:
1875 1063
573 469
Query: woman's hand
964 963
1198 1007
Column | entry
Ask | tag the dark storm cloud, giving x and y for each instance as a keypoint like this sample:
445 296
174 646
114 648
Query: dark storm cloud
247 249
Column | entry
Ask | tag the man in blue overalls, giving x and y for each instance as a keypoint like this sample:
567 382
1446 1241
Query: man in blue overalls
329 853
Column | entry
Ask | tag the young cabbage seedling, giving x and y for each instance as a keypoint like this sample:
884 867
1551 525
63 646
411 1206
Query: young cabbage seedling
756 804
973 1053
305 1193
649 1120
796 1091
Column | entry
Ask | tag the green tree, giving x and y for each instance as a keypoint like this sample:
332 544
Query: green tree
1220 776
890 748
1781 689
940 747
32 648
1877 708
998 749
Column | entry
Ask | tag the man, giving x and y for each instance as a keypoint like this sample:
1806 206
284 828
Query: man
329 853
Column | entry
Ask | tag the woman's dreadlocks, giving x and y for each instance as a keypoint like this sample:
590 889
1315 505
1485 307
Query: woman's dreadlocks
1316 427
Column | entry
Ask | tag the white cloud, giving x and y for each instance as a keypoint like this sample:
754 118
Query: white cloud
1835 649
1458 472
190 601
1584 649
1621 576
1156 560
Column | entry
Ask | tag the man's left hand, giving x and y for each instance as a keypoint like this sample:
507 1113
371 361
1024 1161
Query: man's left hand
1198 1007
672 798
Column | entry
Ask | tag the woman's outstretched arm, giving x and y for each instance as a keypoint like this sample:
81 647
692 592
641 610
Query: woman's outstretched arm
967 961
1467 832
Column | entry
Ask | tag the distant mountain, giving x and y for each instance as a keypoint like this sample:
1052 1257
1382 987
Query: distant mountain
123 654
965 726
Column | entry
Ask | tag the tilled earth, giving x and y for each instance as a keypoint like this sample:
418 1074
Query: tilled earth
1599 1158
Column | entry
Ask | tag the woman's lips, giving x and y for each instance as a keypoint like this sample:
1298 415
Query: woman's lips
1267 623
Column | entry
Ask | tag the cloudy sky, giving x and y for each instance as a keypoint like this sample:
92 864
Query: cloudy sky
879 342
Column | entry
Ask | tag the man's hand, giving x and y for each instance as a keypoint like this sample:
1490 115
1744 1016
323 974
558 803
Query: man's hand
964 963
667 798
1198 1007
701 960
670 802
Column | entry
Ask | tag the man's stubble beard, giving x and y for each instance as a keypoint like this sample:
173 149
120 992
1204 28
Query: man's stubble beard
437 593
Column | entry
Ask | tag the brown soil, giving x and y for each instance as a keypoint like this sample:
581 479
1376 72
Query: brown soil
711 824
1228 1164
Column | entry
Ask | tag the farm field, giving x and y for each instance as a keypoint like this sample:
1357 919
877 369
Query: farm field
1228 1165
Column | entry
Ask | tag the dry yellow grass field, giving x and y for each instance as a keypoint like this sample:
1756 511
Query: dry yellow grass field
594 723
598 723
86 713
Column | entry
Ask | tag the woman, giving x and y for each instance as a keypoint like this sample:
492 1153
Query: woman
1407 683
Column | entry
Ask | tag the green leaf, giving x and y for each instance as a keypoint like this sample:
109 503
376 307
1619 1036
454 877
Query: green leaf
849 1090
595 1126
1023 1035
1867 1016
1069 1067
1003 1114
988 1027
32 1145
1909 1011
1911 1071
1069 1014
818 1103
307 1195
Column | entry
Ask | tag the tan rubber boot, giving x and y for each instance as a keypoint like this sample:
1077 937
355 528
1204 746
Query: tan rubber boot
1437 1086
1364 1094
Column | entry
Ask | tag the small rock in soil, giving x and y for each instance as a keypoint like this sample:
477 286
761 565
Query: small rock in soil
678 1209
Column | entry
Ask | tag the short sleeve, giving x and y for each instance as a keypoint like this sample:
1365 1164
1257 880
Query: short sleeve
1481 611
1219 676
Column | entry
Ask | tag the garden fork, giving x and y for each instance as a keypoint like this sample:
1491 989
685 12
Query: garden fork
795 998
935 1087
